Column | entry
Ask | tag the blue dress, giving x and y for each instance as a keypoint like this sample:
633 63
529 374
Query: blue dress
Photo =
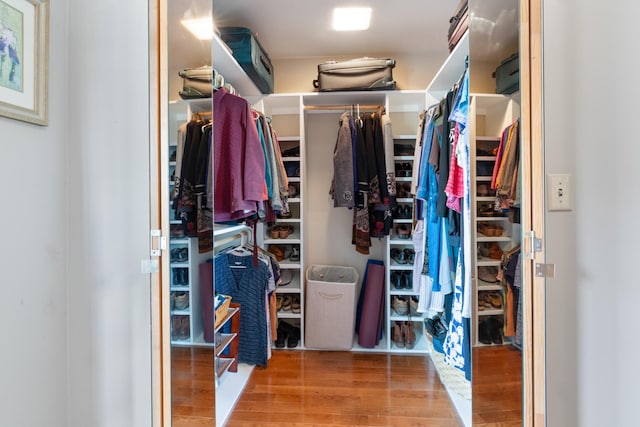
237 277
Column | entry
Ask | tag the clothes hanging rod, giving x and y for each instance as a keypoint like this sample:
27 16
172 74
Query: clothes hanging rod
344 107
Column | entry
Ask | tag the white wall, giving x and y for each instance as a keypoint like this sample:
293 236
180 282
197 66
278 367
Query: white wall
591 105
108 157
33 365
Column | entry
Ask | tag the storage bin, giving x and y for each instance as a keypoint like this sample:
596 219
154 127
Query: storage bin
330 310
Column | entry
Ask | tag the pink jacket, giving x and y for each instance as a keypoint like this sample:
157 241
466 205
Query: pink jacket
239 164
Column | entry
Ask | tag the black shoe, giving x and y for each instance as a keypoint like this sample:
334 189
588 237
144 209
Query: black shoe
282 336
496 331
396 279
483 332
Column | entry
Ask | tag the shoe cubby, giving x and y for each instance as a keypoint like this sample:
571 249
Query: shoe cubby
184 291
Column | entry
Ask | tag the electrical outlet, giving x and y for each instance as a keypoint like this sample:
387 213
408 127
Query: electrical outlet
559 192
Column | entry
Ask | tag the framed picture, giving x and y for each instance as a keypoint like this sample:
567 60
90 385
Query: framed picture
24 60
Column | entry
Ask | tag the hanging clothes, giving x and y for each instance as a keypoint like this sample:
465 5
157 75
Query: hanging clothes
247 285
239 167
342 189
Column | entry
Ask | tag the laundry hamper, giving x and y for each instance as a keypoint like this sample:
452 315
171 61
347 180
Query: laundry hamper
330 310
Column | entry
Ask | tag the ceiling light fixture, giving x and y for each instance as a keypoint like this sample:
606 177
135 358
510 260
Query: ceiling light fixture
351 18
202 28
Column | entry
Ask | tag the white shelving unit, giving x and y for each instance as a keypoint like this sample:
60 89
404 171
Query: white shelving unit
186 321
490 115
285 114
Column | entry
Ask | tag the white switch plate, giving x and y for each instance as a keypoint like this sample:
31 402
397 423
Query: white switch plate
559 192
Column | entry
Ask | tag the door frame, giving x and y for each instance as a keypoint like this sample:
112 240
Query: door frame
532 209
158 177
534 381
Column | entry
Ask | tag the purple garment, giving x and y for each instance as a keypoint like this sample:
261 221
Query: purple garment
239 163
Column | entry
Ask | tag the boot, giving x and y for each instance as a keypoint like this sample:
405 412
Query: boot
396 334
409 334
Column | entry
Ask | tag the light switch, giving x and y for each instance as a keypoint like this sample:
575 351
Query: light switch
559 192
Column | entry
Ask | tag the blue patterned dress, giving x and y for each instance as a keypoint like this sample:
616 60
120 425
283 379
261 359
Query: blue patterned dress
247 285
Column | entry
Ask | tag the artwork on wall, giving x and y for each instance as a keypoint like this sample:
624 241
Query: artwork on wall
24 60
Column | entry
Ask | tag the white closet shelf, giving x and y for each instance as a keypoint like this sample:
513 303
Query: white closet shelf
493 312
403 158
291 159
486 158
179 288
487 262
482 238
490 218
225 340
451 70
489 287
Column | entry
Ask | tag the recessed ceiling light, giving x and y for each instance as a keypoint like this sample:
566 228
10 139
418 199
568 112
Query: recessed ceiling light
351 18
202 28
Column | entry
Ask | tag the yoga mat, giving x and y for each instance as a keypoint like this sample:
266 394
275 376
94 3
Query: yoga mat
368 333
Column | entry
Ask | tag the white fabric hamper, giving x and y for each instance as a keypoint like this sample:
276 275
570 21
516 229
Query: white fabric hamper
330 310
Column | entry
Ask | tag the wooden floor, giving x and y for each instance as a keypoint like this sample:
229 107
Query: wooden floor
192 387
345 388
497 386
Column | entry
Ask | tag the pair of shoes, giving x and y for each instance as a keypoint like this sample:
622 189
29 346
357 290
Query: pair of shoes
403 190
284 215
180 276
404 334
281 231
402 256
403 212
180 300
402 279
289 334
404 169
490 331
180 328
490 229
179 254
400 304
436 327
403 231
490 250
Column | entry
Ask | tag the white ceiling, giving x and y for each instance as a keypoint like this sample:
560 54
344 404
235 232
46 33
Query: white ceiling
302 28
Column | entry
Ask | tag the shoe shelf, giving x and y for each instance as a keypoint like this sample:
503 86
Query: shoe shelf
490 115
227 335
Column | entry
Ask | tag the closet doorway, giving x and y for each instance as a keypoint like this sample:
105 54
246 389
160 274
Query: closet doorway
531 131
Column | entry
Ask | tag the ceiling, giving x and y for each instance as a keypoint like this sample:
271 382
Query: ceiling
302 28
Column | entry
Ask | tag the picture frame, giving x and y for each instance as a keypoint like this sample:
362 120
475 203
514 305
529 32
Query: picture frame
24 60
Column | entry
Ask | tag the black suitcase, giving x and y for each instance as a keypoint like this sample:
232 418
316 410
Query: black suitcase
356 74
458 24
196 82
250 55
507 75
